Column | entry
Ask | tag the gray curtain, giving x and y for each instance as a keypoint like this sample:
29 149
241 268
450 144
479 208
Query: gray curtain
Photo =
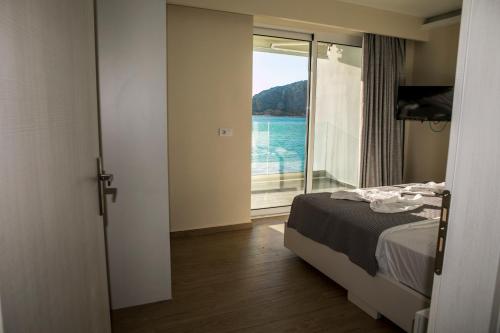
382 135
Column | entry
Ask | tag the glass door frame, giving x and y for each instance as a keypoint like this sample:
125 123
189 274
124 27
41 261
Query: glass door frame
354 40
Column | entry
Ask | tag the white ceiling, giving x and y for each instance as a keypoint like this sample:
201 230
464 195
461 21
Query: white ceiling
419 8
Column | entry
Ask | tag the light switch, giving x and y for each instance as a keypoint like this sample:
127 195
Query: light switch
225 132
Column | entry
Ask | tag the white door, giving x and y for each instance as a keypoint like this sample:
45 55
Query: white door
52 255
466 296
132 75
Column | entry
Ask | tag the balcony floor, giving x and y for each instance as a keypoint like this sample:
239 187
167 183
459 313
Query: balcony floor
279 190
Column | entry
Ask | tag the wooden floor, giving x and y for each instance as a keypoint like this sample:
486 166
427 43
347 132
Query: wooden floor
246 281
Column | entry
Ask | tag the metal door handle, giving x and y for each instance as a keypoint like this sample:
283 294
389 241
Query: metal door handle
103 181
113 191
442 231
106 177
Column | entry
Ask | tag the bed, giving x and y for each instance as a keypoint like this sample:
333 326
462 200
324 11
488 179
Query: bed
384 261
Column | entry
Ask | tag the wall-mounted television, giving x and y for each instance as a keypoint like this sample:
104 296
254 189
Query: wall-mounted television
425 103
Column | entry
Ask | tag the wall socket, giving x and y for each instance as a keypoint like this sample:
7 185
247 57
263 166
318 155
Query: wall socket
225 131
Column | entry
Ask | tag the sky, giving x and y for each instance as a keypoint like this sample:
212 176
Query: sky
272 69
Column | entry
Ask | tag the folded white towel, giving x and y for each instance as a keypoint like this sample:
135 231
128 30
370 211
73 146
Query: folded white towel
381 201
367 195
397 204
426 188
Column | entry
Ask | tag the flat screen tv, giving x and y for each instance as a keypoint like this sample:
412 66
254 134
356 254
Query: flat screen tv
425 103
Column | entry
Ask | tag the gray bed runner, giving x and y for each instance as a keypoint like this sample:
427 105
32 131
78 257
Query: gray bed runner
351 227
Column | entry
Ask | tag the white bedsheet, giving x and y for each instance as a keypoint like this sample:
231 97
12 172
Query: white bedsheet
406 253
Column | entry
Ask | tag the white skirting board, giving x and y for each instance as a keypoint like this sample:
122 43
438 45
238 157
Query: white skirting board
376 295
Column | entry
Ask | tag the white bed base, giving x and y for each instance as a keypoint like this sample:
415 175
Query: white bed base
376 295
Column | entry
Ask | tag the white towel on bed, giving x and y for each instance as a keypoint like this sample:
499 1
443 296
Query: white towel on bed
429 188
367 195
381 201
397 204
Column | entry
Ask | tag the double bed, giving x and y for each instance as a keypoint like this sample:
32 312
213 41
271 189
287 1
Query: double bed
385 261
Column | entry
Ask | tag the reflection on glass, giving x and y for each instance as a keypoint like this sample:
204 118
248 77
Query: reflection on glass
279 109
338 118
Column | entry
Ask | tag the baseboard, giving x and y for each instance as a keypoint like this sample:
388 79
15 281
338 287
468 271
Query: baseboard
270 219
210 230
265 212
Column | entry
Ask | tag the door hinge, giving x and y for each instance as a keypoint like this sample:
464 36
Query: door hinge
443 229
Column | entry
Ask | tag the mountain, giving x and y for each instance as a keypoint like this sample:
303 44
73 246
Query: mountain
288 100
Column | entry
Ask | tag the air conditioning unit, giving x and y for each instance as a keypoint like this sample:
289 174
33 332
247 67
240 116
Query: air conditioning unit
421 321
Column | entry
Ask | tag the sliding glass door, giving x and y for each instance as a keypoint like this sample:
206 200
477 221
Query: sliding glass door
337 118
279 119
306 118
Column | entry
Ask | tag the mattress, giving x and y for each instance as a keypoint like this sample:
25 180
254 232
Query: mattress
406 254
351 227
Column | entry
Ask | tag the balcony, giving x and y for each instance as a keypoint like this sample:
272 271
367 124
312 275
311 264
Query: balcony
278 190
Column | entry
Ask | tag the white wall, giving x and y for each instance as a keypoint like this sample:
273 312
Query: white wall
433 63
132 60
209 86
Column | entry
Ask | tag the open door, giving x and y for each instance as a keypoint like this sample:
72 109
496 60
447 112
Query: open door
466 296
52 254
132 78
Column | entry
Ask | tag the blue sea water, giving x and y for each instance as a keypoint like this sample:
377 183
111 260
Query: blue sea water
278 144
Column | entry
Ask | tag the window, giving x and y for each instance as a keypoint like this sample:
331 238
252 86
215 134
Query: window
296 148
279 120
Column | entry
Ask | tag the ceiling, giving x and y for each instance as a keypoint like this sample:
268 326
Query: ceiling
419 8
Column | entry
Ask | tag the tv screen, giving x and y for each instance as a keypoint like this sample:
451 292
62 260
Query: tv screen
432 103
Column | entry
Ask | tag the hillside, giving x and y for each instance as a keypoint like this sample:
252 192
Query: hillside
288 100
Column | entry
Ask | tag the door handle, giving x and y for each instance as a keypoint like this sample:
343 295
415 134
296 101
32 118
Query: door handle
113 191
106 177
104 181
443 230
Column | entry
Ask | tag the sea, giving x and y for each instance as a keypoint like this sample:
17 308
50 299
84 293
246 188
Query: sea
278 144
